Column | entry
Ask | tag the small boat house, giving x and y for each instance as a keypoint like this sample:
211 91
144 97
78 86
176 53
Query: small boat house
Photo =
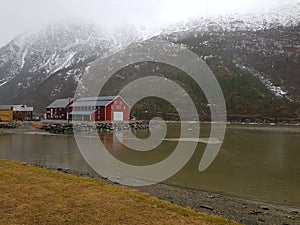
103 108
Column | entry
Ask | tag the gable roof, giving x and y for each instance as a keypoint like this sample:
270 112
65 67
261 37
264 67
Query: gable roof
22 108
94 101
61 103
5 107
100 98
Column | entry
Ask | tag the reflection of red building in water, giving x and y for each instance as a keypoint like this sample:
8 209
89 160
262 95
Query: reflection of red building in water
104 108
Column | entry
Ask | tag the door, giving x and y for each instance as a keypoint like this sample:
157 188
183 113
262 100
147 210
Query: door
118 116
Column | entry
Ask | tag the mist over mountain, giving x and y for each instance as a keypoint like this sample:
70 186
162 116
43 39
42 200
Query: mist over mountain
261 49
47 64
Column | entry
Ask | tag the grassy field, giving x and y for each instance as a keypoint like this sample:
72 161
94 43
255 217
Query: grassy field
33 195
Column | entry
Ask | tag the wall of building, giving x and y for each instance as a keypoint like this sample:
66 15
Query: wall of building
56 113
22 115
118 105
103 113
6 115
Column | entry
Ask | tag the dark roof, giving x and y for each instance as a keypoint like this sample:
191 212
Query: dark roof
93 101
60 103
5 107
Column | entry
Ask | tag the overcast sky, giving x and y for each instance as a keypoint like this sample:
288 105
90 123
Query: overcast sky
19 16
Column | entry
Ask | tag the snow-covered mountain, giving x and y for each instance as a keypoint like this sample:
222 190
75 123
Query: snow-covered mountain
42 53
288 14
266 44
35 57
45 64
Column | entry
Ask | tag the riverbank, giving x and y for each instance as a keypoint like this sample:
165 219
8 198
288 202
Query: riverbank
63 128
248 212
33 195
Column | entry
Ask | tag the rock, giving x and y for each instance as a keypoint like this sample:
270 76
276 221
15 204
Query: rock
244 206
249 222
255 213
206 207
290 217
59 169
264 208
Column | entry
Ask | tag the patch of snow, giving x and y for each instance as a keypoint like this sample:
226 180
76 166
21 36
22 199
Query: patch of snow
3 83
276 90
66 62
24 55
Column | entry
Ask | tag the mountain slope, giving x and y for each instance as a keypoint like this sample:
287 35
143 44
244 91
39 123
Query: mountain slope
272 55
255 60
285 15
49 61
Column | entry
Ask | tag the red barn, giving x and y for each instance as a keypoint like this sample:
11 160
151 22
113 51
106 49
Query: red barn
59 109
104 108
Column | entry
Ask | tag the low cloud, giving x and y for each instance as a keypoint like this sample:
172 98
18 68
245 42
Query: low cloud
17 16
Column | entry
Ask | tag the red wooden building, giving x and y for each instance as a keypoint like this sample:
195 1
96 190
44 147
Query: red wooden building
22 112
59 109
104 108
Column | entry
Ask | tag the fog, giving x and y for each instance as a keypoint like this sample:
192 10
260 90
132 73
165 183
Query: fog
19 16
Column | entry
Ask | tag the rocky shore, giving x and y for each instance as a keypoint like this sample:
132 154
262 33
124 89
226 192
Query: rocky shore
64 128
8 125
69 128
248 212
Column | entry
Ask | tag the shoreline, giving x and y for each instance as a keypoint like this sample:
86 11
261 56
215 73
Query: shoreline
245 211
32 128
236 208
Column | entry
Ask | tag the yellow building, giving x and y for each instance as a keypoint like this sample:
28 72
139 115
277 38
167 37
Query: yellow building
6 113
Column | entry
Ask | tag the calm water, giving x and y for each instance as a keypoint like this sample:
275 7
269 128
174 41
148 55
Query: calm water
256 161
